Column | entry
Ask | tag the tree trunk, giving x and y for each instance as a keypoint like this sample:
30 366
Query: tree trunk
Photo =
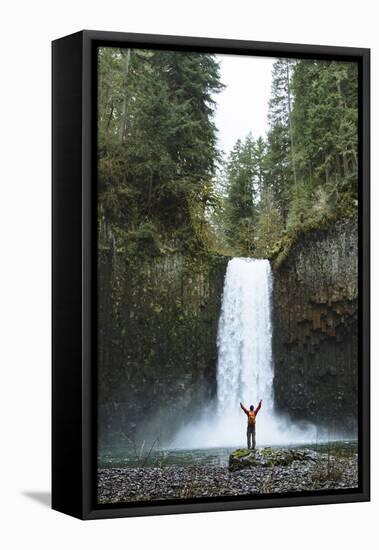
342 103
290 122
109 120
355 160
121 131
150 190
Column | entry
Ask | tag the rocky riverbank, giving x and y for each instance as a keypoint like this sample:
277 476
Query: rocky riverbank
308 471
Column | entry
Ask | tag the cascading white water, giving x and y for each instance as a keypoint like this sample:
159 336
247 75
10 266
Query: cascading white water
244 367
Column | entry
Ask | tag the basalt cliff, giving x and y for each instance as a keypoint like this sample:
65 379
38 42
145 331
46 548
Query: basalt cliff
315 328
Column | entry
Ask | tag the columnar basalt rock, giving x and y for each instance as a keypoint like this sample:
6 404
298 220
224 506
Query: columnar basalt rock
315 328
157 336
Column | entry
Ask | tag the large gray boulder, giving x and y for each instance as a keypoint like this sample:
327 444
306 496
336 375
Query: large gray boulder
268 457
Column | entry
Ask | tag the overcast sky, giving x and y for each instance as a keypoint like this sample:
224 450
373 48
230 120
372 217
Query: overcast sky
242 105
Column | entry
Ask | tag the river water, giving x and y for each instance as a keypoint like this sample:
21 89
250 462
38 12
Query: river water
119 456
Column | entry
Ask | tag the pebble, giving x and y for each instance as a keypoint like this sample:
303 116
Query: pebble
181 482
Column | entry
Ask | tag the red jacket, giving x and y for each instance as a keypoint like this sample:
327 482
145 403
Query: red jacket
251 417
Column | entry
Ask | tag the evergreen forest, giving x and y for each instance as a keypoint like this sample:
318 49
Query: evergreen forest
164 185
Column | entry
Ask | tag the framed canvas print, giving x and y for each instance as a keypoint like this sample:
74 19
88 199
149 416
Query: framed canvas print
210 274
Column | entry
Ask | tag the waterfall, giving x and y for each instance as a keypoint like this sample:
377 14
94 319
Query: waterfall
244 367
245 370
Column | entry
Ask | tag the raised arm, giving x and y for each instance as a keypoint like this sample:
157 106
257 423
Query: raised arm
258 408
243 408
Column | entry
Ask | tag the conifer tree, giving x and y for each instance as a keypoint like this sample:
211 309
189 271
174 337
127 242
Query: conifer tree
282 165
242 190
157 142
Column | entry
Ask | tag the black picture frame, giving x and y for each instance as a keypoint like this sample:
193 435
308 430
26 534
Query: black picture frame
74 271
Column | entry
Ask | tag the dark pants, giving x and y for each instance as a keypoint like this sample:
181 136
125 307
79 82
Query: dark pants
250 437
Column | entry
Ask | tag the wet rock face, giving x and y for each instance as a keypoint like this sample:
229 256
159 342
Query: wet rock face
157 336
315 328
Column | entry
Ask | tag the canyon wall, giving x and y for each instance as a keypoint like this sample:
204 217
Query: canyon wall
315 328
157 334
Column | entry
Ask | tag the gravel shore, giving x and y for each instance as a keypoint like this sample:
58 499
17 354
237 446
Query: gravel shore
175 482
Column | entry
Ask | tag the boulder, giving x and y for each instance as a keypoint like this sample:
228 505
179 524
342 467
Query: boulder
268 457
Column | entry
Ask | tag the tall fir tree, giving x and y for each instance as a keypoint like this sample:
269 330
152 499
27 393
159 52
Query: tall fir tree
242 192
157 142
281 153
325 115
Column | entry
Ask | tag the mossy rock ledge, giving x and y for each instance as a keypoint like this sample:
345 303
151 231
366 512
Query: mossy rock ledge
268 457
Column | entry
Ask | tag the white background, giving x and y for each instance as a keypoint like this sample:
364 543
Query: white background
26 31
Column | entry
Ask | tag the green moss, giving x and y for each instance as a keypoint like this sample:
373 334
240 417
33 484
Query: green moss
266 451
282 249
240 453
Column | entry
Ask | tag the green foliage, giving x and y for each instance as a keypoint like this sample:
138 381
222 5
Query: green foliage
326 118
240 453
269 227
156 144
243 175
163 184
300 204
144 241
304 176
281 173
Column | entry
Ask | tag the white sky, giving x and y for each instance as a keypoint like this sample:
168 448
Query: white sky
242 105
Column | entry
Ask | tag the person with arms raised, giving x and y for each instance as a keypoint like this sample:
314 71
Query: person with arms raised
251 420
